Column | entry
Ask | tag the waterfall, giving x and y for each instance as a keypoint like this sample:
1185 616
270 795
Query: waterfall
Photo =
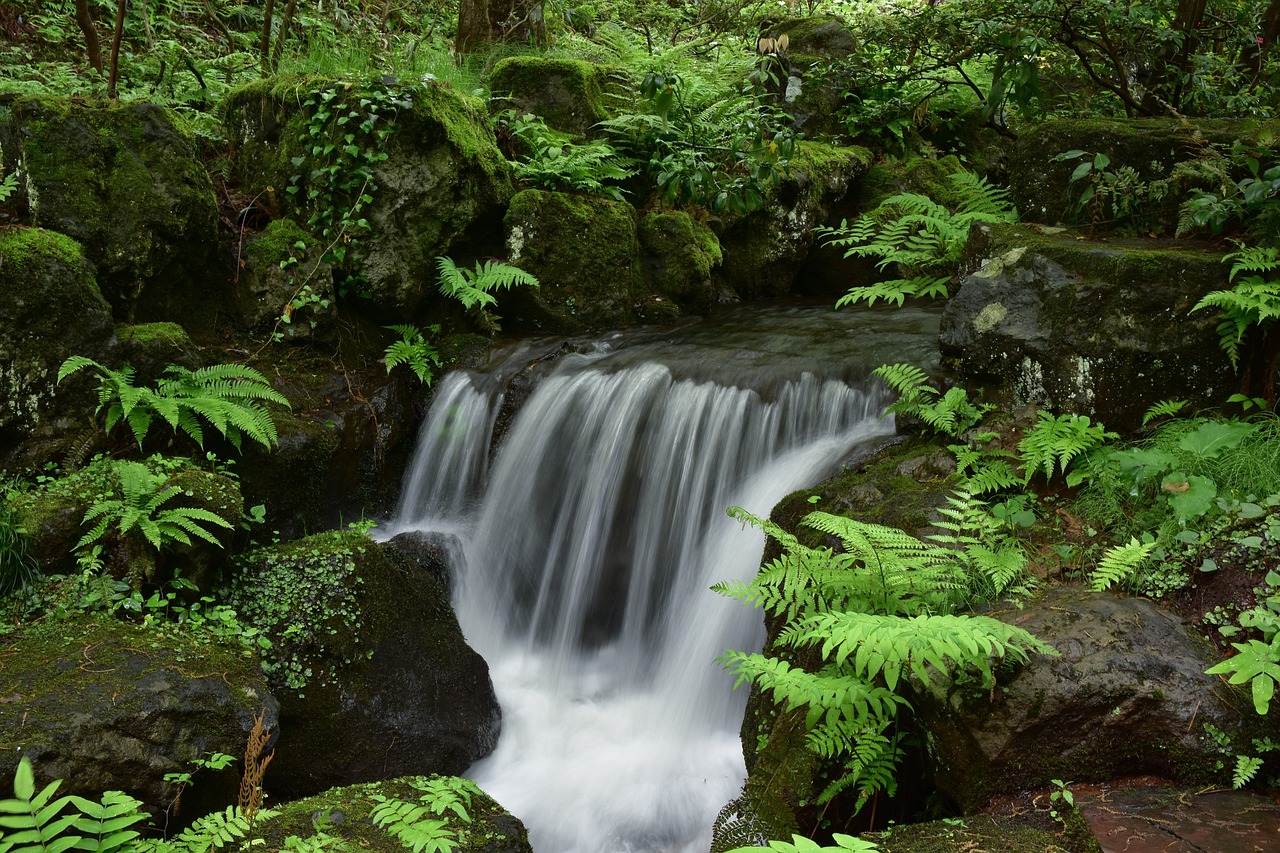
589 544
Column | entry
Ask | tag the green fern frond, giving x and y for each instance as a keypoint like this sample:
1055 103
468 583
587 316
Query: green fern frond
1120 563
410 824
828 694
1163 409
871 758
474 288
1056 441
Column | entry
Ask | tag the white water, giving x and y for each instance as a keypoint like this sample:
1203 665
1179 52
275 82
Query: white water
589 547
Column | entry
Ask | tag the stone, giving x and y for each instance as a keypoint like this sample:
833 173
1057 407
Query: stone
373 675
286 287
568 94
585 253
50 308
814 85
1128 696
438 192
680 254
1102 329
126 182
108 705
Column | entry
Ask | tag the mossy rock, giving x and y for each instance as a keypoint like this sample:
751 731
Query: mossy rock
1019 833
374 677
50 308
440 190
286 287
816 81
679 256
568 94
1155 148
346 813
109 705
585 253
1097 328
126 182
765 251
149 348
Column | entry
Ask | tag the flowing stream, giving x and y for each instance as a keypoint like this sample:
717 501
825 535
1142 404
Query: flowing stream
589 541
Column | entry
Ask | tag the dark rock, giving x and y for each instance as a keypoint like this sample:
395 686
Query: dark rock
765 250
937 465
1128 696
438 554
106 705
284 276
584 252
443 184
679 256
149 348
568 94
126 182
391 687
345 814
50 308
1103 329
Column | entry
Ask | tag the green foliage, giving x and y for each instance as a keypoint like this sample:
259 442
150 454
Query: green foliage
35 822
1108 196
1256 663
800 844
1252 301
18 568
1058 440
1251 204
918 235
8 186
1163 409
1121 563
474 288
874 613
556 161
952 413
229 397
231 828
414 351
139 508
993 559
412 824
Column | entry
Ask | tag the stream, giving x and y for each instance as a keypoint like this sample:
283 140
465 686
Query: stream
587 543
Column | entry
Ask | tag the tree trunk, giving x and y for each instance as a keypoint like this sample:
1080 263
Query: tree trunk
285 26
482 22
264 46
85 21
115 50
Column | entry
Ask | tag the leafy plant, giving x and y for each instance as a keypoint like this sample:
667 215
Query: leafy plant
994 561
474 288
229 397
951 414
554 160
139 507
1120 563
1252 301
800 844
36 823
414 351
1256 663
1058 440
412 824
18 568
918 235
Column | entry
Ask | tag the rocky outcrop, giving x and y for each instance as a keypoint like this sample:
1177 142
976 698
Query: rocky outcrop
110 706
50 308
126 182
442 185
374 677
585 253
1103 329
1128 696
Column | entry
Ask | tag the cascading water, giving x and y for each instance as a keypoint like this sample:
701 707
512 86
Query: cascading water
591 541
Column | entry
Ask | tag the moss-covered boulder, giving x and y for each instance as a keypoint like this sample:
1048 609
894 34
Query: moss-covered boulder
50 308
109 705
568 94
346 813
679 256
440 190
1103 329
374 677
584 251
765 251
150 348
1128 696
286 287
126 182
53 516
816 85
1183 155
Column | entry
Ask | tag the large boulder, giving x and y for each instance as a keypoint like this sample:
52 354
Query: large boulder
585 253
1103 329
50 308
108 705
440 189
127 183
345 813
1182 154
373 675
568 94
679 256
765 250
1128 696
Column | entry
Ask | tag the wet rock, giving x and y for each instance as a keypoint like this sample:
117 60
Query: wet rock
1128 696
106 705
374 677
1178 820
126 182
1103 329
935 466
815 87
50 308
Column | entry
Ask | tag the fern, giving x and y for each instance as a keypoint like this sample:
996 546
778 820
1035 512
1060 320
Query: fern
409 824
994 562
1163 409
107 825
871 756
473 288
1253 300
1120 563
32 822
214 831
1246 768
139 508
229 397
414 351
1257 663
951 413
1056 441
447 793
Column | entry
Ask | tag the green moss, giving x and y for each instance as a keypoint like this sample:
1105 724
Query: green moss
569 94
278 242
820 159
914 173
25 250
989 834
680 254
167 334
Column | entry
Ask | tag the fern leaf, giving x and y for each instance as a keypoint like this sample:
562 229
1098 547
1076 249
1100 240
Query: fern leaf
1120 563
